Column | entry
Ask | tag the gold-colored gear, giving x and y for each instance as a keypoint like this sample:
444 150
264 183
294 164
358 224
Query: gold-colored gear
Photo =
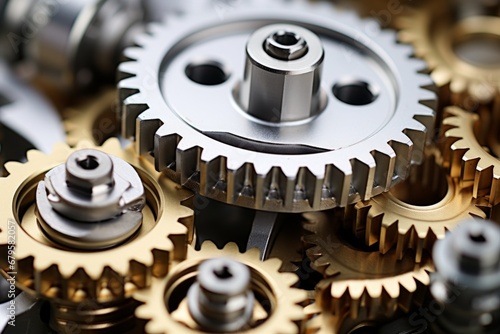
64 275
94 119
435 33
416 213
359 280
283 310
466 158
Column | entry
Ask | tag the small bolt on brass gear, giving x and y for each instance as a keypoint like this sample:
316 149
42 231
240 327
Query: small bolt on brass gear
468 159
417 212
360 280
223 290
275 131
93 224
94 119
459 41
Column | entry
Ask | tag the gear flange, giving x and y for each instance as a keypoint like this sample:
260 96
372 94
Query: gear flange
294 146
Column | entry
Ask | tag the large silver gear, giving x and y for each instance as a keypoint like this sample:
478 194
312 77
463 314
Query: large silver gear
205 139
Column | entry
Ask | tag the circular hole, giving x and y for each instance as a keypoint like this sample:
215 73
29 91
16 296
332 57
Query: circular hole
286 38
477 238
364 329
208 73
89 163
223 273
356 93
480 50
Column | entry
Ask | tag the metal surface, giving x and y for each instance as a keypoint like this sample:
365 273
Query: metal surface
466 158
91 35
19 103
276 303
359 279
221 300
466 284
416 213
65 275
325 161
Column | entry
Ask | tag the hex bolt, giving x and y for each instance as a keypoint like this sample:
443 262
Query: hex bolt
286 45
221 300
89 171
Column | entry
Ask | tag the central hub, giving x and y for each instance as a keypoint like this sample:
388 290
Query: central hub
283 74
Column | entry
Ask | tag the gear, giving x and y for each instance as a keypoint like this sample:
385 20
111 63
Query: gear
277 310
93 120
222 133
361 280
416 213
60 273
466 158
449 43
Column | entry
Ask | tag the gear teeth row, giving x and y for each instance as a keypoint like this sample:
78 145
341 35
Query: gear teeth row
466 158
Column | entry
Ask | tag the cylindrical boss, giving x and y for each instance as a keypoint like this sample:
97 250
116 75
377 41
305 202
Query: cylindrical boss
282 81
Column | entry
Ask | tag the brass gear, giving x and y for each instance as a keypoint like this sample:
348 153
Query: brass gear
361 280
94 119
284 309
417 212
64 275
466 158
435 33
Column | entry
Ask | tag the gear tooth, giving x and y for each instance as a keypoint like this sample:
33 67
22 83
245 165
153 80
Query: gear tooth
393 290
364 168
388 235
12 166
165 147
126 72
213 172
147 124
385 159
275 265
441 76
374 290
338 178
254 253
133 106
417 132
187 159
241 184
402 145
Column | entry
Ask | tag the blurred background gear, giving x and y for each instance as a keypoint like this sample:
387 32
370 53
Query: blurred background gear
466 284
466 157
277 306
72 253
459 39
299 148
19 103
361 283
417 212
72 44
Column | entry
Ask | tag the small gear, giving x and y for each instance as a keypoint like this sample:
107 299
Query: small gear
62 273
278 307
466 158
359 280
94 120
215 127
445 39
416 213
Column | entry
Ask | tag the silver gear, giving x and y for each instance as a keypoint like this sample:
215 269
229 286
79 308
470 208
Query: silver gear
274 167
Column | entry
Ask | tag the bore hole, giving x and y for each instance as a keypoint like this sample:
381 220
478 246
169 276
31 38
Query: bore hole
208 73
479 238
89 163
286 38
364 329
223 273
480 50
356 93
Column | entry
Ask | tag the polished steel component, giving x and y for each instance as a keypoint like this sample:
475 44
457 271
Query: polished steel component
90 36
466 284
265 226
276 308
283 74
221 300
93 201
212 144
